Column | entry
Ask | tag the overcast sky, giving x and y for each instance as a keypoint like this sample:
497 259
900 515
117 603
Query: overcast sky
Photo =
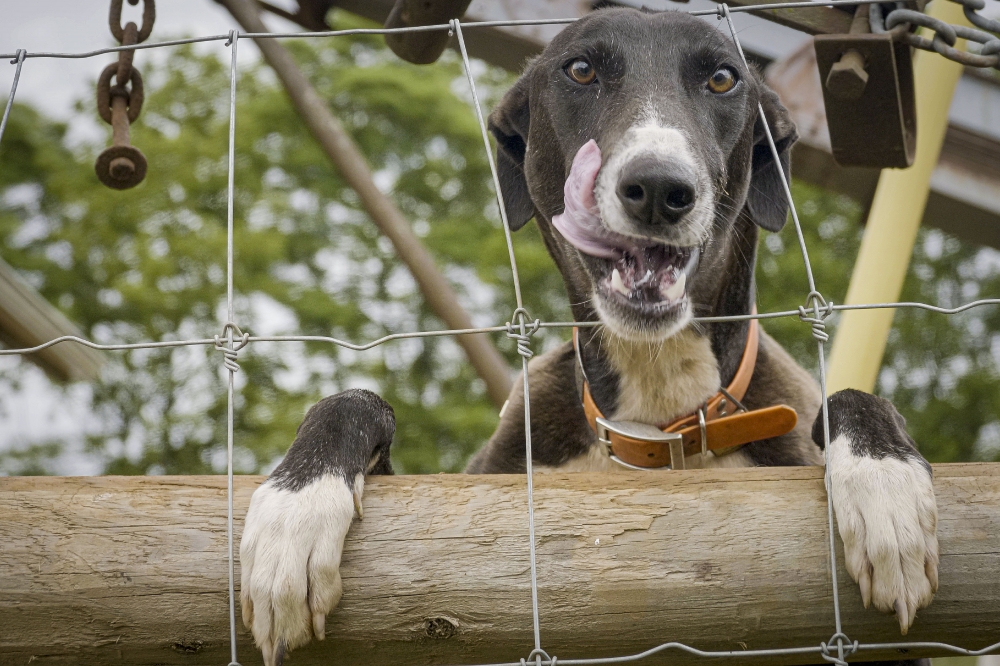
82 25
53 86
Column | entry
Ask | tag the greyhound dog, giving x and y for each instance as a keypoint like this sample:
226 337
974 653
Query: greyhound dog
636 142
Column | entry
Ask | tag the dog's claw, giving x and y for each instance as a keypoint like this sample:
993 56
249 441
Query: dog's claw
930 567
357 503
865 582
902 614
319 625
267 651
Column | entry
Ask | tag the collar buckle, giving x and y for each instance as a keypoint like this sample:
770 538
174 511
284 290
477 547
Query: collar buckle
640 431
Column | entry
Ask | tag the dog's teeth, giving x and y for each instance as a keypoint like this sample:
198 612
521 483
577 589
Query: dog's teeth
675 291
617 284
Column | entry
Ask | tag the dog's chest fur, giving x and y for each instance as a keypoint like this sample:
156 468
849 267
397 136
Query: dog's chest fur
658 382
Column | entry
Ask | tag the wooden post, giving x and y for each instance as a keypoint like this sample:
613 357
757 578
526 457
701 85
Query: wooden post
893 221
112 570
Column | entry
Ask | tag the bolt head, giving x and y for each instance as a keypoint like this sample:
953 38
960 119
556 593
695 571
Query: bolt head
121 167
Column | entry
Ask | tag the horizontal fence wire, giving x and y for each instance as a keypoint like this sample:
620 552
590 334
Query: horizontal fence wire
424 28
521 327
364 346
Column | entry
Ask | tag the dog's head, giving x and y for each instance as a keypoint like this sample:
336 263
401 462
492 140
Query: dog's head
635 140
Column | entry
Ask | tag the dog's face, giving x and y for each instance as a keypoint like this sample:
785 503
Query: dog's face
638 136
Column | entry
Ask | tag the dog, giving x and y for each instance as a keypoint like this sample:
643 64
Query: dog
636 143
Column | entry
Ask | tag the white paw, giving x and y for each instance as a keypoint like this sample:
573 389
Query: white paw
290 558
887 515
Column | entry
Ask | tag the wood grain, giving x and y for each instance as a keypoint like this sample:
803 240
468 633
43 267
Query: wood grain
27 320
112 570
811 20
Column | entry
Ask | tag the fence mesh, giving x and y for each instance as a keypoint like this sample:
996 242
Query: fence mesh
521 327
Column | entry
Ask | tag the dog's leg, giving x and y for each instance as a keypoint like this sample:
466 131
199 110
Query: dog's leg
295 528
883 497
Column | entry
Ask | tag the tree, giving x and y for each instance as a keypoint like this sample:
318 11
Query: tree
149 264
939 370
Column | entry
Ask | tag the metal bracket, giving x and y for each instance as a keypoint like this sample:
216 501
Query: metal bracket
636 430
875 126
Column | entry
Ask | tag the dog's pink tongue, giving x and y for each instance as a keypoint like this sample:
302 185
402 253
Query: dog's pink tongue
580 221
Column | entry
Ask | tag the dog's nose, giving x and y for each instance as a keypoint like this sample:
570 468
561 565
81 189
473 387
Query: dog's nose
657 192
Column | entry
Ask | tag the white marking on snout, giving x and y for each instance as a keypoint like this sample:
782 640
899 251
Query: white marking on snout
649 138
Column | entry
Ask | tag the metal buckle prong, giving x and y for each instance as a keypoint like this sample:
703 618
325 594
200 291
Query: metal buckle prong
739 405
704 431
636 430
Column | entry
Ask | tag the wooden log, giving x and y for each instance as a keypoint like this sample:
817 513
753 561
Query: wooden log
28 320
111 570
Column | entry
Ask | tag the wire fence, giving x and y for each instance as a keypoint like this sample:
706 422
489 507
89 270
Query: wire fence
522 327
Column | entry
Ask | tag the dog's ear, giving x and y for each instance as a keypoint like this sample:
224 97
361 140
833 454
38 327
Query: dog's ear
509 126
766 199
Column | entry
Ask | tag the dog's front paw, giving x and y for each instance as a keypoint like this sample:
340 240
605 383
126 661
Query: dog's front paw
887 515
290 556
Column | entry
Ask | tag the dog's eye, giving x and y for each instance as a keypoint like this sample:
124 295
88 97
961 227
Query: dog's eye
581 71
722 81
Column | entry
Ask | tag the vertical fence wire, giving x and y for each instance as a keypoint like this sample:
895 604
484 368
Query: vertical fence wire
522 333
233 42
814 298
18 60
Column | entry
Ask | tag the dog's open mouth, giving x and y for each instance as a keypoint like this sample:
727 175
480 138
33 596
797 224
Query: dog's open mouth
650 277
642 277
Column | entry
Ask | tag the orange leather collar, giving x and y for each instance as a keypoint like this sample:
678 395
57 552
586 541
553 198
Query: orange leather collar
721 425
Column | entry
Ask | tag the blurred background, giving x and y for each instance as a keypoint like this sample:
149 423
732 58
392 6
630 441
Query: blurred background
148 264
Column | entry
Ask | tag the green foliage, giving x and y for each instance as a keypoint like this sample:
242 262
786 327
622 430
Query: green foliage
939 370
150 264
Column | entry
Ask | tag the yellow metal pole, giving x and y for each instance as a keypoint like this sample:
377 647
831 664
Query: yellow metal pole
895 215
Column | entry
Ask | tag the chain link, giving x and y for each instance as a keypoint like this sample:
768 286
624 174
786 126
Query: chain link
122 165
122 71
900 20
115 21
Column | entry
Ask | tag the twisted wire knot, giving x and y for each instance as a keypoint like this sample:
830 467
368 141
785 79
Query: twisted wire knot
836 641
820 311
722 11
539 656
239 341
514 332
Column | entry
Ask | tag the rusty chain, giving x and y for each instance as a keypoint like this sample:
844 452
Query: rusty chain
899 20
122 165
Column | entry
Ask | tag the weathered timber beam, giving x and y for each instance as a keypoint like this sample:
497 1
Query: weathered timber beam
27 320
111 570
811 20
